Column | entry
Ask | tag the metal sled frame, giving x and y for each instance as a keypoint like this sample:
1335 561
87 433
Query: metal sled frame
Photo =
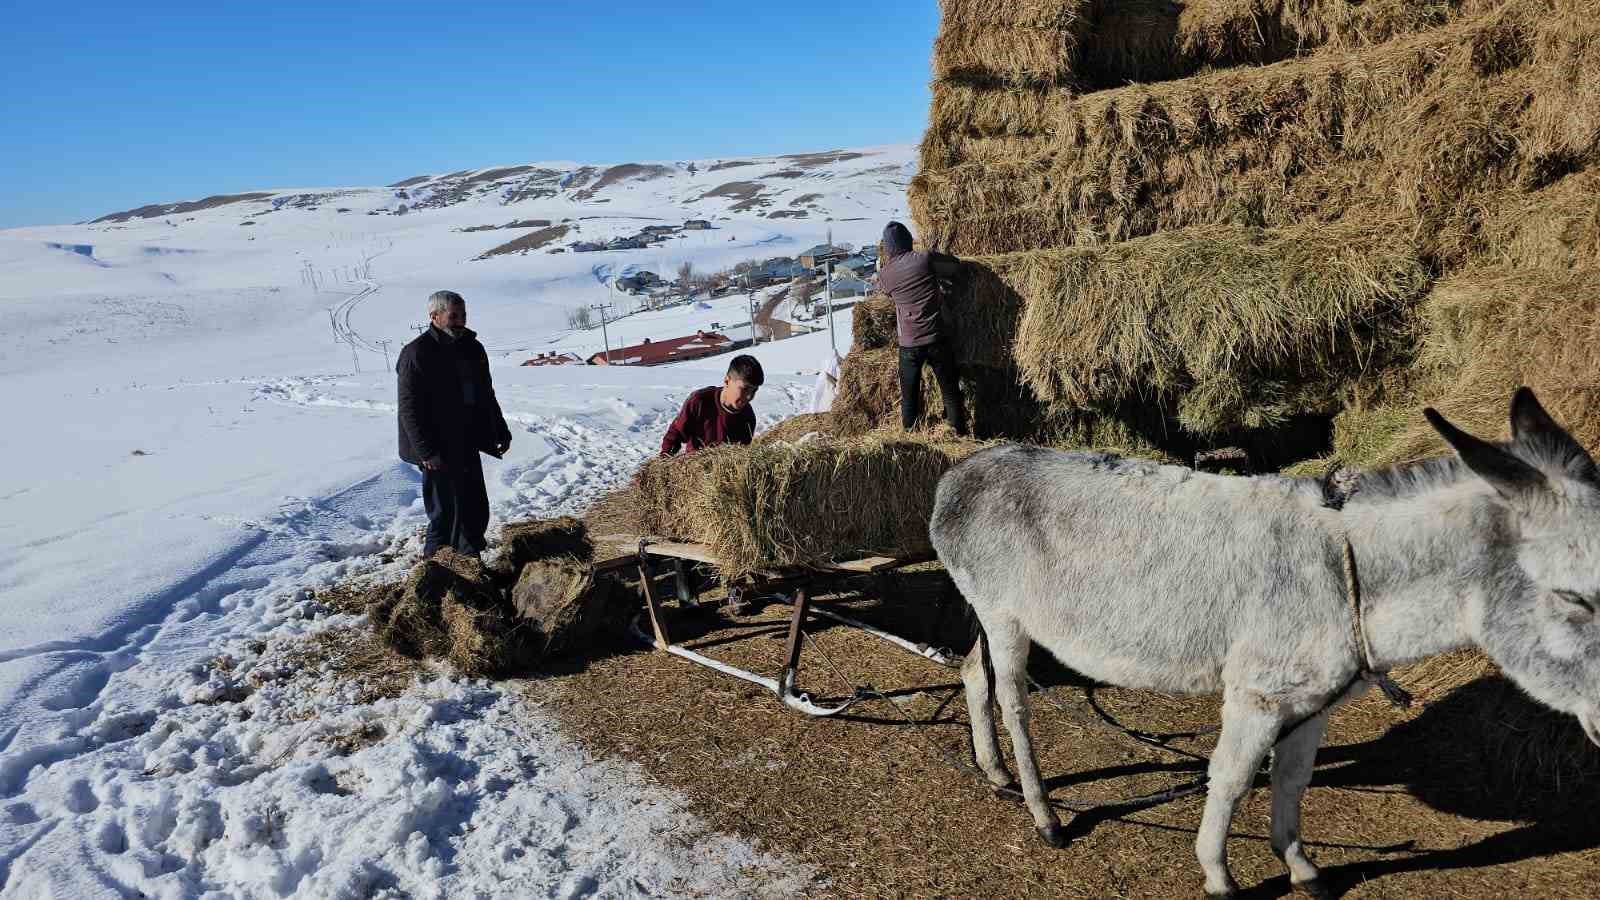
784 686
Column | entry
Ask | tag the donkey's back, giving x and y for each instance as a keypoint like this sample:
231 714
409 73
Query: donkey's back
1140 574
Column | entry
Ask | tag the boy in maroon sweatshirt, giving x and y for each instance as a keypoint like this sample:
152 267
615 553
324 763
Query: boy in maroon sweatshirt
718 415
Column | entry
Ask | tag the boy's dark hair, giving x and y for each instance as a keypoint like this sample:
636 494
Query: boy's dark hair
747 369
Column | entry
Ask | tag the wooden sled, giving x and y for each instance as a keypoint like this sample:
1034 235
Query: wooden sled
784 686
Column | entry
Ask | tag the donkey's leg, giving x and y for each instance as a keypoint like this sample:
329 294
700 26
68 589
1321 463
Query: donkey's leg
1249 727
980 710
1009 654
1292 763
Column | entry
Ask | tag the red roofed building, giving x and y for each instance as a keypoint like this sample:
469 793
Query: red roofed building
654 353
554 359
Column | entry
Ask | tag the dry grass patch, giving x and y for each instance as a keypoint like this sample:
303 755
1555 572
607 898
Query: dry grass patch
533 240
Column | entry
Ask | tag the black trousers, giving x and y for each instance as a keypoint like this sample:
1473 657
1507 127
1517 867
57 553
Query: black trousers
939 356
457 505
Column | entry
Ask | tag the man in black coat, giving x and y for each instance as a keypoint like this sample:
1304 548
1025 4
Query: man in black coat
448 415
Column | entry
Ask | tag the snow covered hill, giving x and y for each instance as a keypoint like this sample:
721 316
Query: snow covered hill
202 427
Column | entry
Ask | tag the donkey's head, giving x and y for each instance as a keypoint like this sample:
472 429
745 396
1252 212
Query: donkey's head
1540 623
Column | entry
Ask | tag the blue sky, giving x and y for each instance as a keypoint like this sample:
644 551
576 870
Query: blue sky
110 106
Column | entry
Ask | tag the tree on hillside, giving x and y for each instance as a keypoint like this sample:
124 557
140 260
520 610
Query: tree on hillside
579 317
686 275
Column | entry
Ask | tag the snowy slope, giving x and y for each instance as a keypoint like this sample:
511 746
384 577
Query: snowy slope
189 448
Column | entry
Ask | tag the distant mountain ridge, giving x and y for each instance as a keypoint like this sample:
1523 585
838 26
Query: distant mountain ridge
831 184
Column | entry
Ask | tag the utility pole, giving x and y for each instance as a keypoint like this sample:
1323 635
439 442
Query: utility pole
356 360
827 297
385 345
750 302
603 333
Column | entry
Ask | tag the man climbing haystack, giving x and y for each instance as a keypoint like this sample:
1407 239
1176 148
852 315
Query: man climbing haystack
911 279
448 415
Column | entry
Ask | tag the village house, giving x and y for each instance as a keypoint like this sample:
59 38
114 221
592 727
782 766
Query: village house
655 353
697 225
858 265
553 358
639 282
849 286
821 254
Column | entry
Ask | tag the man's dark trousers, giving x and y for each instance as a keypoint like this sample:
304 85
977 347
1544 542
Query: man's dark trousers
938 356
457 505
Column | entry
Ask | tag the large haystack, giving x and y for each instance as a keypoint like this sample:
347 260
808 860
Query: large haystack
1229 213
1257 214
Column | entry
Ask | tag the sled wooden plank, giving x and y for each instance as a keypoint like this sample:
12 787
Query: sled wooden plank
693 552
872 565
618 562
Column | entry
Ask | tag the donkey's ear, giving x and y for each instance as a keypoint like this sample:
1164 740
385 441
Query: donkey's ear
1534 428
1510 477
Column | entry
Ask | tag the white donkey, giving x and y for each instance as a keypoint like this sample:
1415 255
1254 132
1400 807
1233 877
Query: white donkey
1160 578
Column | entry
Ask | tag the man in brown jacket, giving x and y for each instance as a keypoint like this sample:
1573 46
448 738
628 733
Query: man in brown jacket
911 279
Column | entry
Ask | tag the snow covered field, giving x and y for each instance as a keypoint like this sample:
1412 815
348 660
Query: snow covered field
190 451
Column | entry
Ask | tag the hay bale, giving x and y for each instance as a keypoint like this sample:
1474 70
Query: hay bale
1488 332
487 641
1241 327
618 511
1430 125
796 428
1056 14
998 407
869 394
537 539
448 608
782 505
1006 54
1095 44
872 324
564 604
412 623
1556 227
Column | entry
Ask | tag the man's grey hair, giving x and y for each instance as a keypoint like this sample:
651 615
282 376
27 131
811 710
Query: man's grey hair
443 300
